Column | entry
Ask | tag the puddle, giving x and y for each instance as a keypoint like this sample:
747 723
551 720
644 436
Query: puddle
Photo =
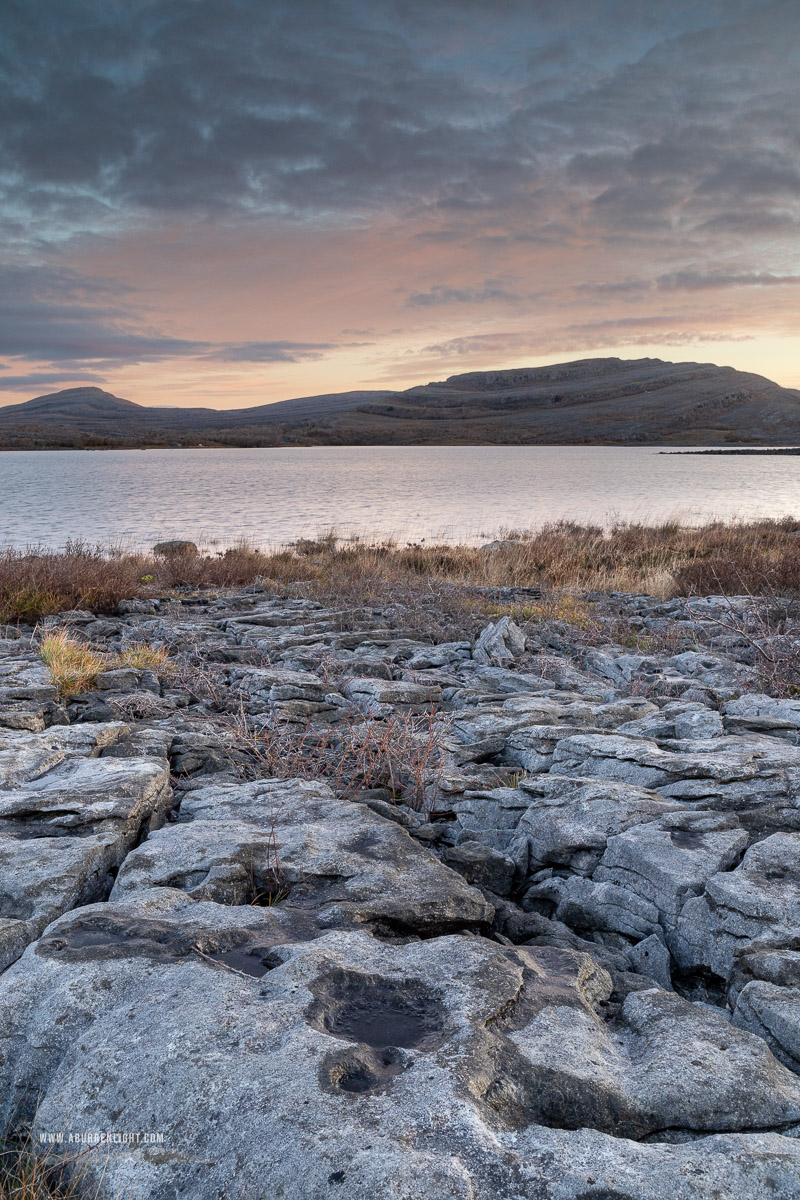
249 960
376 1012
362 1070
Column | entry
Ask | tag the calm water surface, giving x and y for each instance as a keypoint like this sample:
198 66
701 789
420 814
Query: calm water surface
452 492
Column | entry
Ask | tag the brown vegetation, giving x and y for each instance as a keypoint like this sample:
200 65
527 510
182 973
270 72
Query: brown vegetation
403 754
26 1175
665 560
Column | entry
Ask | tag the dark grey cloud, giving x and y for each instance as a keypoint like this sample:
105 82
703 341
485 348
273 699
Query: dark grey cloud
320 106
35 379
53 315
665 133
57 316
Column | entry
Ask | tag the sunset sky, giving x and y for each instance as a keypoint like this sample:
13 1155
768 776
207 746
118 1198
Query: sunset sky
228 202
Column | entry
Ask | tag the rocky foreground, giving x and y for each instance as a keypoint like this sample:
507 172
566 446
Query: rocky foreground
557 958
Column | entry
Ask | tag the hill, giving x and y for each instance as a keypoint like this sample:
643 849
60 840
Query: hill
599 400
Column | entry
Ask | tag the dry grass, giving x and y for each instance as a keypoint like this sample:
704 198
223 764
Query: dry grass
144 658
424 583
24 1175
74 666
36 583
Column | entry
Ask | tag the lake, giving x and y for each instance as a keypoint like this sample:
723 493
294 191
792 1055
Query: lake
272 496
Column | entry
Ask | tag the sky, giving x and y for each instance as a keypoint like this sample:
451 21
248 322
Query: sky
225 203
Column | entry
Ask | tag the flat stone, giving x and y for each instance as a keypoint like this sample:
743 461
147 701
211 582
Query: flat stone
339 862
458 1069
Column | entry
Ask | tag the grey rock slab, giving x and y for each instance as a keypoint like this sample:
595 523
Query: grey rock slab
490 816
427 1070
699 723
759 780
660 723
390 692
25 755
667 860
568 821
25 677
534 747
663 1064
340 862
278 683
651 957
482 866
121 679
446 654
773 1013
64 834
758 901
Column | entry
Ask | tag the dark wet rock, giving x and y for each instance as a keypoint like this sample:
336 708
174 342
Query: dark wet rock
481 865
121 679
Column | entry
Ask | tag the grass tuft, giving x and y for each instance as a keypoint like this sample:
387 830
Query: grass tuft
24 1175
143 658
75 667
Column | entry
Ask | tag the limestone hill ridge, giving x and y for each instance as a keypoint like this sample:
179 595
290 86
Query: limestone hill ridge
598 400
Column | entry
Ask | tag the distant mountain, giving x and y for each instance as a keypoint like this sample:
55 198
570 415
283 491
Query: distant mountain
596 400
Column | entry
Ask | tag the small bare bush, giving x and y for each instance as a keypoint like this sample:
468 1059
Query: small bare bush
403 753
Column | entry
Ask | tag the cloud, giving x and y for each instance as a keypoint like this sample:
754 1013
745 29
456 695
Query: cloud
111 112
601 154
700 281
269 352
37 379
490 292
53 315
590 335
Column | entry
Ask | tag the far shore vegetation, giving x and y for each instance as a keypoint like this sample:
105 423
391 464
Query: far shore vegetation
665 560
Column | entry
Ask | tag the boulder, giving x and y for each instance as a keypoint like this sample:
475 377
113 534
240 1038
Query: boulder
500 642
66 824
758 901
294 844
757 779
175 548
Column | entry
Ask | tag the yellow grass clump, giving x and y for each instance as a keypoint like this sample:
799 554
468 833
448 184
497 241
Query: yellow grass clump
75 667
144 658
